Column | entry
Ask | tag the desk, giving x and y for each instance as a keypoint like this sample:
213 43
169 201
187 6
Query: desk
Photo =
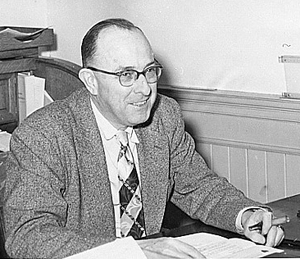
196 227
288 206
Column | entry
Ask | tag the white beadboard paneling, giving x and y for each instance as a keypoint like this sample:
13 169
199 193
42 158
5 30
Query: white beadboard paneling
251 139
238 169
292 174
257 180
275 176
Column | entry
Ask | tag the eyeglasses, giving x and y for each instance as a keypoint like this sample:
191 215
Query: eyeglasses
128 76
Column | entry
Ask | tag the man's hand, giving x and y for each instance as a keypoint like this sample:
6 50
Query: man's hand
166 247
268 234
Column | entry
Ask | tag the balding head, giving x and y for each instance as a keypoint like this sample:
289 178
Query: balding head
89 42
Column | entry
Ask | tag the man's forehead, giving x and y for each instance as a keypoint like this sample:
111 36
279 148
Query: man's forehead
118 37
121 46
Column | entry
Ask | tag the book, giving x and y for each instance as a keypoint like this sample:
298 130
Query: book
215 246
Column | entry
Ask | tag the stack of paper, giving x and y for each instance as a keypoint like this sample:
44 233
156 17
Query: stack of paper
4 141
214 246
31 94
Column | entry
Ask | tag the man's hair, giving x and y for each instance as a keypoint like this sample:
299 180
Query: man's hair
89 42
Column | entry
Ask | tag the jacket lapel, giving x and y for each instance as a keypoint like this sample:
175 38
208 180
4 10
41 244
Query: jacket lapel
153 161
91 158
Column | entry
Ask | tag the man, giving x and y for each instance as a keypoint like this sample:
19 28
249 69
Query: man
65 176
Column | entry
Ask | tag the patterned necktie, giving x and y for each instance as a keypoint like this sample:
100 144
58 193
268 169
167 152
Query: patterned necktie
131 208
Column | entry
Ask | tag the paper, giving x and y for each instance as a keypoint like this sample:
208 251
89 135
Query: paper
123 248
31 95
4 141
214 246
47 98
3 156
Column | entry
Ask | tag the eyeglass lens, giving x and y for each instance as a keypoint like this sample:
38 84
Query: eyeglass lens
151 74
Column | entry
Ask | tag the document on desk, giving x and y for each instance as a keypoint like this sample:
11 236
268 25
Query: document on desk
123 248
214 246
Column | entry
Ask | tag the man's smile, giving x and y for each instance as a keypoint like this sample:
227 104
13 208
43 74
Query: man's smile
140 103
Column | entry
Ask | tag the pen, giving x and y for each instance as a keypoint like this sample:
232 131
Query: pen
275 222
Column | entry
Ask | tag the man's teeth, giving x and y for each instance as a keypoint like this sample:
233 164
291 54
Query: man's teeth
139 103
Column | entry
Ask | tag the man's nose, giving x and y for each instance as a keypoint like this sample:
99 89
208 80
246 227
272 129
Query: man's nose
142 86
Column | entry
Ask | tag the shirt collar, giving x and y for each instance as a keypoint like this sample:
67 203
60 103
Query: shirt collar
108 130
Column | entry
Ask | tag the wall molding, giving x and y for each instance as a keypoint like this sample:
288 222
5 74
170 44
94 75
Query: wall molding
246 145
270 106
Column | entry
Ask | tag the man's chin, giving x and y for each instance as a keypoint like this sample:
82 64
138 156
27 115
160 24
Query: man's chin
140 120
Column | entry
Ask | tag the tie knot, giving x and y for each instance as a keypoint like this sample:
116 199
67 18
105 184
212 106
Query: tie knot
122 137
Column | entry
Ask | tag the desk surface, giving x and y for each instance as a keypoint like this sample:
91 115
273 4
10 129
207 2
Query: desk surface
288 206
196 227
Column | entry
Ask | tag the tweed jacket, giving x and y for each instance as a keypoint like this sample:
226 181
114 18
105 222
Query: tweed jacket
58 199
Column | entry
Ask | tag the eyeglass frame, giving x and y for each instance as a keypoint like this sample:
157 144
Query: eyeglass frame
119 74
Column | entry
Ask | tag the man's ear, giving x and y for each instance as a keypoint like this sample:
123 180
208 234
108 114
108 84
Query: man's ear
89 80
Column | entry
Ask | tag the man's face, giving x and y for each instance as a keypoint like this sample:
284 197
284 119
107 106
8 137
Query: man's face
118 50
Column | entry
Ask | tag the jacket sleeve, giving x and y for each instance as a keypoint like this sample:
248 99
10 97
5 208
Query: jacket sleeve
198 191
35 210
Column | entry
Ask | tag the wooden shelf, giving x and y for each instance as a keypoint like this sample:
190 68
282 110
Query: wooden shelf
19 42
